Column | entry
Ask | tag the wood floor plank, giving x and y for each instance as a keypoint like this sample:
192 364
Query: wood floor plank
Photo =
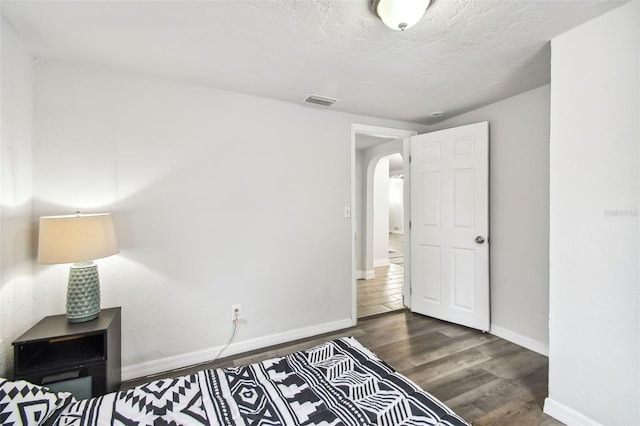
366 311
468 411
380 292
459 383
498 347
474 394
455 345
519 411
396 304
369 300
516 364
505 392
426 374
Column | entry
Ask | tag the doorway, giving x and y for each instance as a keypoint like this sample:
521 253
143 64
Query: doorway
452 276
368 145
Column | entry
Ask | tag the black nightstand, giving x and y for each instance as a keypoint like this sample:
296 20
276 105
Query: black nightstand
82 358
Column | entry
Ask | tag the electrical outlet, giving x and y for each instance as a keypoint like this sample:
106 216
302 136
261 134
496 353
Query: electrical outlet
235 311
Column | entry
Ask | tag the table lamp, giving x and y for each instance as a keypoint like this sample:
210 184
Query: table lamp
78 239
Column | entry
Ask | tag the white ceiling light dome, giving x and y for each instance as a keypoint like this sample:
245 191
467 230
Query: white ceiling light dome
400 14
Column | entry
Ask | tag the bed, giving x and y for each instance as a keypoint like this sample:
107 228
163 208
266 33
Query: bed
337 383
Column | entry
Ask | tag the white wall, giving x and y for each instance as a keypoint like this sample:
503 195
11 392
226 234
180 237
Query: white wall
396 205
594 364
218 198
17 290
518 214
381 213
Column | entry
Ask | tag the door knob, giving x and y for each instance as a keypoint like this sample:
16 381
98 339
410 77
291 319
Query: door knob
480 239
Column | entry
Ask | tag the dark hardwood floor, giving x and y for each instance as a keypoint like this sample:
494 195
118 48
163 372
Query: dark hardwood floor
485 379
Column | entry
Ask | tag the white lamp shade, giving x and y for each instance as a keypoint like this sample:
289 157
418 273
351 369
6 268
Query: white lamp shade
76 238
400 14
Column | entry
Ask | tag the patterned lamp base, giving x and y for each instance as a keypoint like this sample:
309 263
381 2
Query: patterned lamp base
83 292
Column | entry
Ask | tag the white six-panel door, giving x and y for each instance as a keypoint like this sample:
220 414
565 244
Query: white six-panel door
450 225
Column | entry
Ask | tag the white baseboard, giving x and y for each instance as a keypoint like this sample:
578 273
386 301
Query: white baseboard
365 275
519 339
178 361
567 415
381 262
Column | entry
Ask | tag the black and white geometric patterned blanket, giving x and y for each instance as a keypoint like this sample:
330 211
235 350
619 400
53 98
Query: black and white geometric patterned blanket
337 383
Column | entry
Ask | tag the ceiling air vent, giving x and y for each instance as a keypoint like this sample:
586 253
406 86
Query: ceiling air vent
320 100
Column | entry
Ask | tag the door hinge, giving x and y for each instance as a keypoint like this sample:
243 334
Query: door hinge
409 159
409 224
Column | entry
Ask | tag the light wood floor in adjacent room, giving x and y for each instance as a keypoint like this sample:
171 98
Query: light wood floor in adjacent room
485 379
384 292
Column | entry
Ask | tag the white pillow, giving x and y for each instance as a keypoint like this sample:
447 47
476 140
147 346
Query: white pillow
23 403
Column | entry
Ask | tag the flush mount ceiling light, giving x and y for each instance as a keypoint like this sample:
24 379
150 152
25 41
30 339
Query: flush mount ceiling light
400 14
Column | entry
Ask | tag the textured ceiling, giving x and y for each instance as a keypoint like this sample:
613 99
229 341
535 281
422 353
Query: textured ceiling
463 54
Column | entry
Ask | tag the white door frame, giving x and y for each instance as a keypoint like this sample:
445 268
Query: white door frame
385 132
